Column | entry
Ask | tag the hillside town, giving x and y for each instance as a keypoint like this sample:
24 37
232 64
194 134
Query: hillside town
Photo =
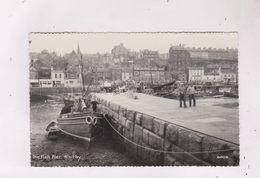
135 107
202 66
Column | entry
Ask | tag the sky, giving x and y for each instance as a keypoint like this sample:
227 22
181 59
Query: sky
91 43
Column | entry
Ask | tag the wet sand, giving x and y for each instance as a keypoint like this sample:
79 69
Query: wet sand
66 151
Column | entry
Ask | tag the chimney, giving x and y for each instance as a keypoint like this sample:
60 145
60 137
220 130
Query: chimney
31 63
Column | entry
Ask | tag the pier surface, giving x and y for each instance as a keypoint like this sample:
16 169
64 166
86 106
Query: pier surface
217 117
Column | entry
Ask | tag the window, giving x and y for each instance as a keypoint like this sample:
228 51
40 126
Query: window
71 81
55 75
49 82
60 75
72 75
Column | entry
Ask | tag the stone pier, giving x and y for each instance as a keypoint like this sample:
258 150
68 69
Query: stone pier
160 133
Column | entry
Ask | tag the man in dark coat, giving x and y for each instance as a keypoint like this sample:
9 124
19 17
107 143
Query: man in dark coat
182 90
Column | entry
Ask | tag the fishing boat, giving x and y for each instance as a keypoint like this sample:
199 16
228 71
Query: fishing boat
77 119
82 125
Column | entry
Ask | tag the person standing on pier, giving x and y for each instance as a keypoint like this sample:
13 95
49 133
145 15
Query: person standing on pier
182 90
191 91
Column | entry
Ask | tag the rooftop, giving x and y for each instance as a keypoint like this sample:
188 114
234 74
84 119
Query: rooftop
178 48
214 66
196 68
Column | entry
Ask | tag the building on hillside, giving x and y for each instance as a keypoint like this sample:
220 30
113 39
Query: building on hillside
58 77
44 72
212 77
44 75
211 54
116 60
179 58
102 59
218 54
127 74
108 74
73 77
175 76
33 56
45 83
196 74
228 76
101 73
150 55
34 82
215 67
149 74
72 59
159 63
119 50
142 62
109 58
164 56
133 55
198 53
116 73
91 58
233 54
33 73
123 58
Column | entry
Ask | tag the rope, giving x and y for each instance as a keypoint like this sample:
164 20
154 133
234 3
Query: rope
163 151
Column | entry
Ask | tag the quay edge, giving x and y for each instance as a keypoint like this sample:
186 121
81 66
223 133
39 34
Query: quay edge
143 135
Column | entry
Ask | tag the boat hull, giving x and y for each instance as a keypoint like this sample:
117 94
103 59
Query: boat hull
231 94
84 126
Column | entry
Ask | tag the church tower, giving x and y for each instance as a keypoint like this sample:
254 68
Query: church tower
78 50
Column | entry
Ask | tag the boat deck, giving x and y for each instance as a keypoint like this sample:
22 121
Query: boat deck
217 117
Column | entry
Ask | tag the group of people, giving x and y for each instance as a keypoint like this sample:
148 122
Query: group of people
80 105
183 90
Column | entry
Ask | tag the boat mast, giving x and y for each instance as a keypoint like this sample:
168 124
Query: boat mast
81 69
82 74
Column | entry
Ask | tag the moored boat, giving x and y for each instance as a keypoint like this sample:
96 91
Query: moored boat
77 118
85 125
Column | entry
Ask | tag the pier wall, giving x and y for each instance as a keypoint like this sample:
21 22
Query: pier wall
58 90
143 134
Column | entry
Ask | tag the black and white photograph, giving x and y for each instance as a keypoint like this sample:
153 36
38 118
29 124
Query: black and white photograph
134 99
119 88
